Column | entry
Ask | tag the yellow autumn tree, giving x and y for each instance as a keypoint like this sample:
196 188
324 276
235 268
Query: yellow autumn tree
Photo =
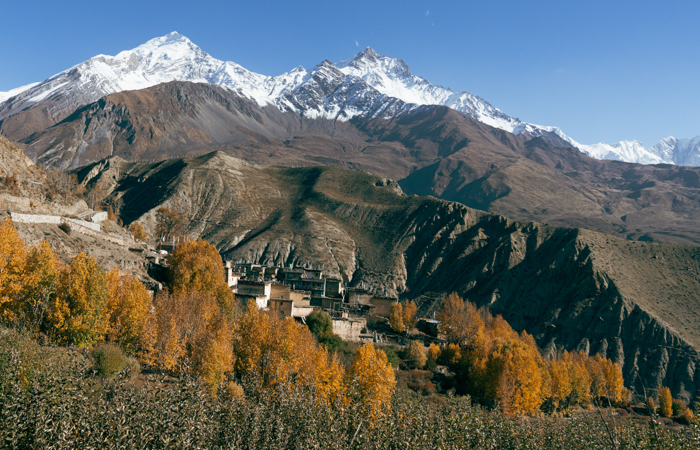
410 310
417 354
396 318
560 384
614 383
606 378
433 355
275 351
188 331
517 382
371 380
128 304
212 353
13 255
138 231
78 312
41 281
196 266
169 223
665 402
459 321
580 378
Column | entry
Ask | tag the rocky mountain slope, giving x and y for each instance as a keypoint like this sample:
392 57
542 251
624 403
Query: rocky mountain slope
369 85
28 189
430 151
636 302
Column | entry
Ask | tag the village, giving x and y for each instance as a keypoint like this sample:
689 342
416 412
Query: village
297 291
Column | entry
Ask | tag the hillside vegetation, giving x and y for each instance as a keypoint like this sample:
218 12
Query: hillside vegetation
246 378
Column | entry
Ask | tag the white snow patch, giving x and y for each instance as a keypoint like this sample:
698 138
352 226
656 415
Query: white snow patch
16 91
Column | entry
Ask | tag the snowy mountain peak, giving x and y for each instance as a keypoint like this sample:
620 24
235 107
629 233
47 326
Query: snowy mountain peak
369 84
368 53
369 61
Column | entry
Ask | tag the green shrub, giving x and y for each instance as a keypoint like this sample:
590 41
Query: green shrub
319 323
392 357
331 341
109 360
678 407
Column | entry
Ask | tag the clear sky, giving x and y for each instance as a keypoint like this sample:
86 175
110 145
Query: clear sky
600 70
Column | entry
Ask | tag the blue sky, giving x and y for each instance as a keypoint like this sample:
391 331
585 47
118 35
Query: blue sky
600 70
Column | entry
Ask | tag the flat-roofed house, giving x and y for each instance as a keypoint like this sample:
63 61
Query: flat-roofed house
281 306
261 301
381 305
334 287
260 290
232 277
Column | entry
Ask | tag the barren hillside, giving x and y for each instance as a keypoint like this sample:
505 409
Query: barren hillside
432 151
34 191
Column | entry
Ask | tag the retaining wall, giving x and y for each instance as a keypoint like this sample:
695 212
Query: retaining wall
81 226
45 218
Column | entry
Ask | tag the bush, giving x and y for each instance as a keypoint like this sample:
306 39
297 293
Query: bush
650 405
331 341
109 360
234 391
416 354
319 323
678 407
392 357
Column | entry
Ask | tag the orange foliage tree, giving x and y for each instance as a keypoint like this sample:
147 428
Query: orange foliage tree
138 231
560 384
396 318
459 321
579 377
410 310
197 266
665 402
41 282
433 355
188 332
277 350
515 376
371 380
13 255
128 305
169 223
498 364
77 311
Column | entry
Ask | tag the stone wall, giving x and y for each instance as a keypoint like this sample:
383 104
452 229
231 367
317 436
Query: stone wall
349 329
45 218
80 226
35 218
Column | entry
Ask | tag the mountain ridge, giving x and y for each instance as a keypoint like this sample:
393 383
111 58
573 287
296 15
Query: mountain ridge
371 84
431 150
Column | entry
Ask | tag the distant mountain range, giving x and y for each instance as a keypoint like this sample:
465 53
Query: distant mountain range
368 85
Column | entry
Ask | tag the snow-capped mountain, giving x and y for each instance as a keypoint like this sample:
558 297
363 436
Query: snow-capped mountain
369 84
681 152
391 77
16 91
